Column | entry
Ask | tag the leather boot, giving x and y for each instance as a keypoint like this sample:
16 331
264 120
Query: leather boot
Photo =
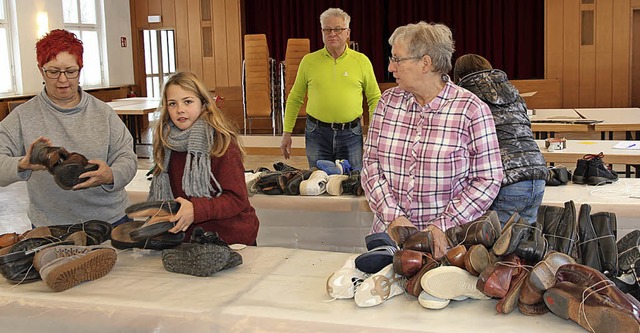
588 277
605 224
588 249
495 280
592 311
533 249
560 227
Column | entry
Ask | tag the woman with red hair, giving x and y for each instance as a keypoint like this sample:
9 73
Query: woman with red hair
63 115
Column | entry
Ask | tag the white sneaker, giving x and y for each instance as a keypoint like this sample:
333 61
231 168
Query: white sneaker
334 184
315 185
342 283
451 282
379 287
431 302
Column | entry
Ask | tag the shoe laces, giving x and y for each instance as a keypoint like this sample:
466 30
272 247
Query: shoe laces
589 157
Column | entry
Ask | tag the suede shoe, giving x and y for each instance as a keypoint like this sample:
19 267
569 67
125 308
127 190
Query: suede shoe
66 272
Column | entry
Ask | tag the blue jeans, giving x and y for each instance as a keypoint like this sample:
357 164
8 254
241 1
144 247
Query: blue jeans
325 143
522 197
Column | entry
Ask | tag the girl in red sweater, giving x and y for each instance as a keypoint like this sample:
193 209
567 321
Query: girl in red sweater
199 164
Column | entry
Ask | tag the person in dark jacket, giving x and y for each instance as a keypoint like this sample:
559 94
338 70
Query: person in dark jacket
525 170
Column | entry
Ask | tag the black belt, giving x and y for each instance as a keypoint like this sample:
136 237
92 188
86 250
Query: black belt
335 126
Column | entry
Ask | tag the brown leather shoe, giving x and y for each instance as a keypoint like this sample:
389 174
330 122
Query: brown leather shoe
438 241
534 309
484 230
413 285
511 236
408 262
455 256
496 279
477 259
8 239
591 278
510 300
530 295
590 310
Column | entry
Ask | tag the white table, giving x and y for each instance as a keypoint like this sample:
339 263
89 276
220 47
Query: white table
340 223
274 290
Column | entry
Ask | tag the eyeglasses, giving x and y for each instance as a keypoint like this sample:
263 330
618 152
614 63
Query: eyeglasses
397 60
55 73
337 31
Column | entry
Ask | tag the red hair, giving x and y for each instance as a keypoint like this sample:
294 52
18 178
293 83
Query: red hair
57 41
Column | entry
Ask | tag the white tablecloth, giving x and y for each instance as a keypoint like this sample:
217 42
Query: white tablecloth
274 290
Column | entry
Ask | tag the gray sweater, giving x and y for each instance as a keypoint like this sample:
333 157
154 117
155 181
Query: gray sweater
92 129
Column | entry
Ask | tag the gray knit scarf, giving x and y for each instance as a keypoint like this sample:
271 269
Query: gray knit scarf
197 178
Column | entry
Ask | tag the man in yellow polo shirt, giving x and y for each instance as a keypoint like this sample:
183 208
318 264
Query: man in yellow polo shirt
334 79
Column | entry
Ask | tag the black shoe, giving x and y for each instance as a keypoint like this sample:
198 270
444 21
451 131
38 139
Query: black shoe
279 166
580 173
558 176
628 252
352 185
597 172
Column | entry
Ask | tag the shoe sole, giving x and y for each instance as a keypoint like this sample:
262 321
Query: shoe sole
429 301
196 259
451 282
543 274
91 266
379 287
476 259
152 230
592 318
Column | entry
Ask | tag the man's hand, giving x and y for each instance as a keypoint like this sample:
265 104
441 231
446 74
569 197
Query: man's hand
285 146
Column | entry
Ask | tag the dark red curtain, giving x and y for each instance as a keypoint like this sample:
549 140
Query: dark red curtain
508 33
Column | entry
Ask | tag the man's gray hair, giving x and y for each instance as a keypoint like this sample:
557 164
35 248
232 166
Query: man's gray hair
434 40
335 12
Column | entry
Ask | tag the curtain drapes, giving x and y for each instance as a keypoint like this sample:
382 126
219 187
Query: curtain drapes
508 33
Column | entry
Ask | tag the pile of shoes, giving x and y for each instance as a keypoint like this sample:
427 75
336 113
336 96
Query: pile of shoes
17 258
334 178
566 263
205 255
153 231
65 167
591 170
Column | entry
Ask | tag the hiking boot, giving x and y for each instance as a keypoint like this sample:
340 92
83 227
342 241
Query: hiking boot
597 172
580 172
49 254
62 273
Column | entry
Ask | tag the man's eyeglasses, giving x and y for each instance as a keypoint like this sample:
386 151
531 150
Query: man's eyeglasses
337 31
55 73
397 60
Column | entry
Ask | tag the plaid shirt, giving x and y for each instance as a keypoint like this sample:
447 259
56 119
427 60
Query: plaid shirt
438 164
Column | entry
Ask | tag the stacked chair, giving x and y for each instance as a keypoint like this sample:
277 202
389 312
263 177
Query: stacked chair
297 48
256 84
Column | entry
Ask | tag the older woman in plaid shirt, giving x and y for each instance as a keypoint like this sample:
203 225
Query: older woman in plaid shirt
431 154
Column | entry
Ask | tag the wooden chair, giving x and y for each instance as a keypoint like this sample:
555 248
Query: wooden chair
256 81
297 48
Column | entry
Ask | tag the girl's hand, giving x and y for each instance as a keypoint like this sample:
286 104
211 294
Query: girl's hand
184 218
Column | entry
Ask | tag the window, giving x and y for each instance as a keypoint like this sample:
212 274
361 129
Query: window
159 59
82 18
7 85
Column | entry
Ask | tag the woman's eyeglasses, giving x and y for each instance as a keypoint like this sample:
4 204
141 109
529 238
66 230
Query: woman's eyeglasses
55 73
